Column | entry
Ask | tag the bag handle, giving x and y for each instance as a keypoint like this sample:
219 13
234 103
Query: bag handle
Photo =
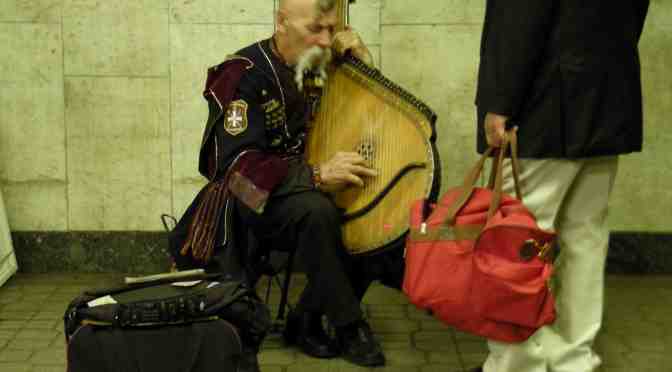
499 179
510 140
513 141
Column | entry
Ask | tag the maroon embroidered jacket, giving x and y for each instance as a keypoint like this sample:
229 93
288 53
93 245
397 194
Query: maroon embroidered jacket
252 144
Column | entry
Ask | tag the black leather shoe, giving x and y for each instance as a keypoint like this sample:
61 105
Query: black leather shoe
248 361
477 369
306 331
358 345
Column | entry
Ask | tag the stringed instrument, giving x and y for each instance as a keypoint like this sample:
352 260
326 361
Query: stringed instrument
361 110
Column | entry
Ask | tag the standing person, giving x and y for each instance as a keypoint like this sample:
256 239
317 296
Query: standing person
253 155
8 264
567 74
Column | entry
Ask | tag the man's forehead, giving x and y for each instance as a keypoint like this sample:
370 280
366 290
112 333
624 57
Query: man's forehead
308 9
326 18
304 8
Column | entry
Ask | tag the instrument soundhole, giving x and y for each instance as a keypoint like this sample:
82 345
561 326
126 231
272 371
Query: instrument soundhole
366 150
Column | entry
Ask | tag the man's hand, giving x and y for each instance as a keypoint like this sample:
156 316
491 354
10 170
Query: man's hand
349 40
495 129
344 169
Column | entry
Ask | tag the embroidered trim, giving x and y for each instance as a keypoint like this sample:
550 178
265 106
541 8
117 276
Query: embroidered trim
214 172
230 57
247 192
277 82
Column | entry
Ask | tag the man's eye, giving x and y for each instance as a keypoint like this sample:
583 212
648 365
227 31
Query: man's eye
315 29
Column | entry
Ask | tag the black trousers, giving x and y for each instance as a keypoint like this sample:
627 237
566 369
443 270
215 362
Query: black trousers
310 223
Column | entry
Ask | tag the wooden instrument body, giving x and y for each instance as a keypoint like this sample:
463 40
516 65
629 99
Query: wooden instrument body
362 111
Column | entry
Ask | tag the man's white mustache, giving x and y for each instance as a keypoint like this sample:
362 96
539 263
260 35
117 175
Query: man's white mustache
314 59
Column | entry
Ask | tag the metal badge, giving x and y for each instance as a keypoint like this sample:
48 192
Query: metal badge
271 105
235 121
274 113
532 248
528 250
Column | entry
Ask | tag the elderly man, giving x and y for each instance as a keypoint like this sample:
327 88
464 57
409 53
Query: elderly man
252 153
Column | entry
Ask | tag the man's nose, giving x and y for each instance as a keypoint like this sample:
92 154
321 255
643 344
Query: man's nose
324 39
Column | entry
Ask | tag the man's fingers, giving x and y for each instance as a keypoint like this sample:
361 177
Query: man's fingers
354 180
343 42
492 139
501 130
495 128
338 47
495 140
363 171
350 158
347 155
346 40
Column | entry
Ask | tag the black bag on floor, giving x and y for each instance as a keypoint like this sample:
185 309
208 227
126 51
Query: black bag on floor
166 324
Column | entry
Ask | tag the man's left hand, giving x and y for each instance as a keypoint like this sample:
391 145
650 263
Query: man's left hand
495 129
349 40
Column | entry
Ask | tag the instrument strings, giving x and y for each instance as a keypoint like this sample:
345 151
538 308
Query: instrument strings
376 148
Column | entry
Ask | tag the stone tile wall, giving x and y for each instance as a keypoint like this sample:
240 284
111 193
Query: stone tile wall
101 110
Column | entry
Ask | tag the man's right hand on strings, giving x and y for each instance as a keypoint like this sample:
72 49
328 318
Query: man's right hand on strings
344 169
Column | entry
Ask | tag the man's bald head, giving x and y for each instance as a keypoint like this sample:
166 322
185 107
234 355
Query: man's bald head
321 6
303 24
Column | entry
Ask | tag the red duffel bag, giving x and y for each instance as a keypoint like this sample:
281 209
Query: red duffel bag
479 261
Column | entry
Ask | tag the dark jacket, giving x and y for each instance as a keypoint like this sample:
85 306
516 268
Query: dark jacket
567 72
275 122
252 149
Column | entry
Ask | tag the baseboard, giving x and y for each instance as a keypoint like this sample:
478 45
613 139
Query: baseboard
96 252
146 252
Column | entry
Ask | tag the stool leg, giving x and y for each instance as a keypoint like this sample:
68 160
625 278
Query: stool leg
285 286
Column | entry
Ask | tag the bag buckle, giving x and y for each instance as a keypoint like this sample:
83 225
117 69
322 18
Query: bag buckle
532 248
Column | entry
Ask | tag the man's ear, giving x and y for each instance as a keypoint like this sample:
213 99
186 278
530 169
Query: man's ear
281 21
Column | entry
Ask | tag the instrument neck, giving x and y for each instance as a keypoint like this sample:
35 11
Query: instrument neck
343 14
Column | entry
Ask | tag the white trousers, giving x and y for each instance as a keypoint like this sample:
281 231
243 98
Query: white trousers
7 258
570 197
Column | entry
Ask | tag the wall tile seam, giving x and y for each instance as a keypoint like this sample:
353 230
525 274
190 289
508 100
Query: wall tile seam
431 24
37 181
380 37
170 112
160 231
65 131
189 180
30 22
115 76
224 23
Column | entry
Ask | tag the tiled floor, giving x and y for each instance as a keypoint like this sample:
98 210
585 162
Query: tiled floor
637 335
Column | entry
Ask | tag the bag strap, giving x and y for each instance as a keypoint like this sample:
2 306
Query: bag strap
467 188
515 165
513 141
450 210
499 179
510 141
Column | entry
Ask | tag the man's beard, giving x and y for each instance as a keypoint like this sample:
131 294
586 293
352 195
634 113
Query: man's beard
313 60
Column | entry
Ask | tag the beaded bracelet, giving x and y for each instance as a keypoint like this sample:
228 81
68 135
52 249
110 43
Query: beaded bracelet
317 177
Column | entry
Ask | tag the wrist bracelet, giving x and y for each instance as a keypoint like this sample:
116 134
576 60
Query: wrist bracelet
317 177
